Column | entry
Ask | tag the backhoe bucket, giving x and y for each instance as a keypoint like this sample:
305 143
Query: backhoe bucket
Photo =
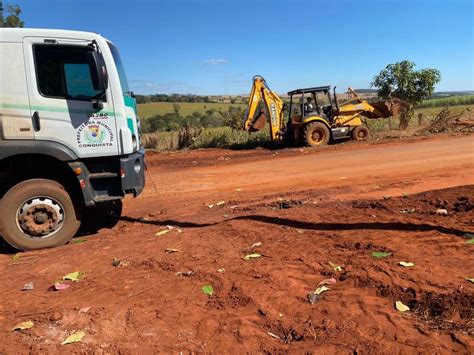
387 108
259 123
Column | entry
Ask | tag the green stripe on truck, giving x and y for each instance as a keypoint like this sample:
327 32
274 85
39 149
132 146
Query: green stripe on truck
53 109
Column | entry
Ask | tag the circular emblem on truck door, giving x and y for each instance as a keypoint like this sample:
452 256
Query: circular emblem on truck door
94 134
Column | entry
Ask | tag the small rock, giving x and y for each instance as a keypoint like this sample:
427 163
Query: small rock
442 211
56 316
59 286
84 310
116 262
28 287
185 273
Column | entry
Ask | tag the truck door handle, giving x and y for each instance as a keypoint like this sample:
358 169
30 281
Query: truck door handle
36 121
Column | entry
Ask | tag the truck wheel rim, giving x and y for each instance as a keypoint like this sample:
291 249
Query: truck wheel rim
40 217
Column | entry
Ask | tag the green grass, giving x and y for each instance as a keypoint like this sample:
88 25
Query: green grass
187 108
448 101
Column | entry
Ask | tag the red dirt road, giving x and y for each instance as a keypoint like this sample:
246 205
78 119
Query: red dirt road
304 211
354 170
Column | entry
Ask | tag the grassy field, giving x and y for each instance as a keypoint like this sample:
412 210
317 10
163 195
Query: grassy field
187 108
431 112
449 101
160 108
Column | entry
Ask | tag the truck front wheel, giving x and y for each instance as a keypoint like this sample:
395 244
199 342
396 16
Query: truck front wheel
36 214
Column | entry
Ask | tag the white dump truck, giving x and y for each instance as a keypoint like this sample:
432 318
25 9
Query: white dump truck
69 133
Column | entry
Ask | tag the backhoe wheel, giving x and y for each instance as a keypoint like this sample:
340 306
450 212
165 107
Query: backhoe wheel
316 134
361 133
38 214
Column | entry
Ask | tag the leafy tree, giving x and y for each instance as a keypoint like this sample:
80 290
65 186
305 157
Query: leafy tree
402 81
13 17
176 108
233 117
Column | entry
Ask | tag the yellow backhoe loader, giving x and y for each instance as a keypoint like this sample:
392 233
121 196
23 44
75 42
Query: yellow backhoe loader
314 115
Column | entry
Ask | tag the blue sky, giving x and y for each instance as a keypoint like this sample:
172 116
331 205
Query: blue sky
215 47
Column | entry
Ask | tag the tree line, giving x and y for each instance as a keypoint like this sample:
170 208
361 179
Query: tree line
142 99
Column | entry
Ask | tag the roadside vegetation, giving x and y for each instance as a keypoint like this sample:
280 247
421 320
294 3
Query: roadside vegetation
223 136
214 128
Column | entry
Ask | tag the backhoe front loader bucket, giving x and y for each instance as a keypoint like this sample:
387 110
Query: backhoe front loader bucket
384 109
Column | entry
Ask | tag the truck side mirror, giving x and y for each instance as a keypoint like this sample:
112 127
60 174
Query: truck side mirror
100 79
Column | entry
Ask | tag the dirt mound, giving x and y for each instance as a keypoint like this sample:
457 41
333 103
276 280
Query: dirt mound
447 122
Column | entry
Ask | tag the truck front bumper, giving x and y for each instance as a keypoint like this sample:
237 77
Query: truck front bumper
132 172
110 178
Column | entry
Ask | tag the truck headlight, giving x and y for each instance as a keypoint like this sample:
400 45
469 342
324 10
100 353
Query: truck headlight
134 142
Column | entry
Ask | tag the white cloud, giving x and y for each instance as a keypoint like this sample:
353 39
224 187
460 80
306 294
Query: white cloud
216 61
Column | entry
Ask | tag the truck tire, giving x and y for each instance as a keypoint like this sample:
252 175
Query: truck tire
37 214
361 133
316 134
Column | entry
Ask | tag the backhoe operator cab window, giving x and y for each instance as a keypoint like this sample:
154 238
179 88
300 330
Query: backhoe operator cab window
63 72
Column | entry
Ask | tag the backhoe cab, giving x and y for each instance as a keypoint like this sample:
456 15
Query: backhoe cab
314 115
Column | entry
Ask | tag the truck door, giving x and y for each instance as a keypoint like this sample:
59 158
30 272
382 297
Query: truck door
62 97
15 118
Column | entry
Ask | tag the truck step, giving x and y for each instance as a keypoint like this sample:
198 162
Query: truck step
104 198
103 175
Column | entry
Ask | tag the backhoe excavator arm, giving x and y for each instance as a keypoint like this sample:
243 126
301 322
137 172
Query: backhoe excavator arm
255 117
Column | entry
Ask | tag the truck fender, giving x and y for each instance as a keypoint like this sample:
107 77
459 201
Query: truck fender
16 147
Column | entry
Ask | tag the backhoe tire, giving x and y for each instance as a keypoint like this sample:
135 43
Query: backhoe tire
316 134
361 133
37 214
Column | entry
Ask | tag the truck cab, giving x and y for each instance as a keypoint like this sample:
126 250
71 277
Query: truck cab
69 133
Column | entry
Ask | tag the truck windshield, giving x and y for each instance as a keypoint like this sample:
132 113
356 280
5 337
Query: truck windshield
120 69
